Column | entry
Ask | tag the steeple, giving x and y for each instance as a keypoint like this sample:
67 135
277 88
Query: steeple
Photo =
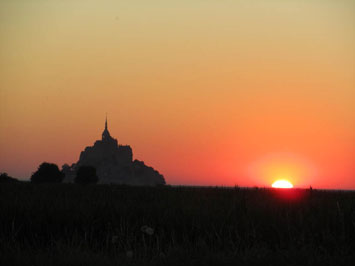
106 123
106 135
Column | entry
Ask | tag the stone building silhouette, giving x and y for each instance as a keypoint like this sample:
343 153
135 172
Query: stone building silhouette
114 164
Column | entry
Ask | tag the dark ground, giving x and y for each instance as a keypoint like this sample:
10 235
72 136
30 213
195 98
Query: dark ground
68 224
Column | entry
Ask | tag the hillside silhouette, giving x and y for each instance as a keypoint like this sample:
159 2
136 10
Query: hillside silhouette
114 164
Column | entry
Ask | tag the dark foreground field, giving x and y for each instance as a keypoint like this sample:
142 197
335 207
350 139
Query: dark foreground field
102 225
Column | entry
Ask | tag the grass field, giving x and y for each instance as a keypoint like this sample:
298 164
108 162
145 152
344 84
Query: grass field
69 224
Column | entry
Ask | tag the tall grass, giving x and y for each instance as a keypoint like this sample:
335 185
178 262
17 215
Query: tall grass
102 225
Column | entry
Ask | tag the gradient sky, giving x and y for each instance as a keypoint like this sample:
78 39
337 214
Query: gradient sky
208 92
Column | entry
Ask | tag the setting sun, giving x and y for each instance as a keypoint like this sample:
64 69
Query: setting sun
282 183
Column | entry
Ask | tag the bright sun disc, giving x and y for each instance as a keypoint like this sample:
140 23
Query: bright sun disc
282 184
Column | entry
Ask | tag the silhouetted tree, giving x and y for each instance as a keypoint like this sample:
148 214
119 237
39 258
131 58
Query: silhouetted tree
5 178
86 175
47 173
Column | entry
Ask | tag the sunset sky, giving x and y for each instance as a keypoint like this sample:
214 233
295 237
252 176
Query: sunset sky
208 92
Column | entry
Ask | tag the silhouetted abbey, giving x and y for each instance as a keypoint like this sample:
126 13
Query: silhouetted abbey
114 164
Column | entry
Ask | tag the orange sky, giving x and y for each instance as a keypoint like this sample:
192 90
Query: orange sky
207 92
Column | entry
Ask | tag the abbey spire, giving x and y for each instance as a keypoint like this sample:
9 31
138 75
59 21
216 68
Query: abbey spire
106 122
106 135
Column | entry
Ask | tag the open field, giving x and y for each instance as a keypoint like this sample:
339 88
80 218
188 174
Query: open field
69 224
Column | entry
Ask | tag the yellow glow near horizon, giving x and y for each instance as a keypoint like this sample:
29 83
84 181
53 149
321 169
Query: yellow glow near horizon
282 183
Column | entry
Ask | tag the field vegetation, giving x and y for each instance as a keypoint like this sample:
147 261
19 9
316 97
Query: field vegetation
68 224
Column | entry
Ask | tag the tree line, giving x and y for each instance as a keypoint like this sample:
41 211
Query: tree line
50 173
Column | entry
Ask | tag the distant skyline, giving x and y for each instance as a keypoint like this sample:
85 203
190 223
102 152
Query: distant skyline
207 92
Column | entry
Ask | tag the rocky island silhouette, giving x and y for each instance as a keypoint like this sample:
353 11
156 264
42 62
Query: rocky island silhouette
114 164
